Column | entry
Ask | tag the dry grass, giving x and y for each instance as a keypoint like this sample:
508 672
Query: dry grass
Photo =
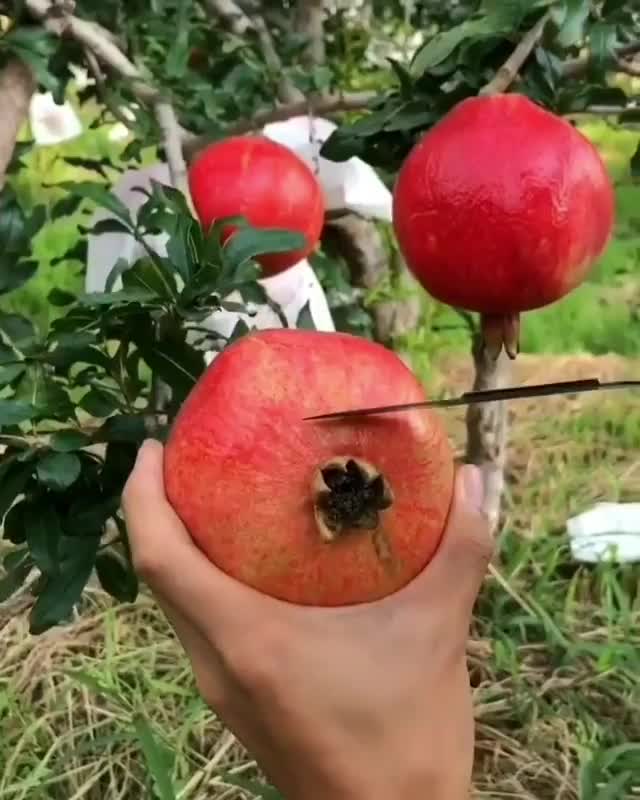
91 711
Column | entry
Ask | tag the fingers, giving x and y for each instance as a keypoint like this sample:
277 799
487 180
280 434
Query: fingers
460 564
166 557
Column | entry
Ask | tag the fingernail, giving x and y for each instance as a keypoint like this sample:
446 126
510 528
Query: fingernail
473 486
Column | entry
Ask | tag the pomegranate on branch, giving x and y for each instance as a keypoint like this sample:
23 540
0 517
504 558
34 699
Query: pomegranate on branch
264 181
502 207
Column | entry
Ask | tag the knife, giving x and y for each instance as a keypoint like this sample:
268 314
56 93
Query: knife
487 396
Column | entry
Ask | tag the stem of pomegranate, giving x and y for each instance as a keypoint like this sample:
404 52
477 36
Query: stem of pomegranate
487 425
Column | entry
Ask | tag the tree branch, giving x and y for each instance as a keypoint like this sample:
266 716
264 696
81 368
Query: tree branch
231 14
487 432
629 67
17 85
329 104
239 22
578 66
508 72
310 21
172 140
94 37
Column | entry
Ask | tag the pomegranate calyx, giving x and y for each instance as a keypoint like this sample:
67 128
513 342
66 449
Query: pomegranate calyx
498 331
349 494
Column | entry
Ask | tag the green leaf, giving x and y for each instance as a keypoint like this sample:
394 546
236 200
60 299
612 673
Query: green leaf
101 196
182 246
67 441
18 330
14 523
617 787
252 292
635 164
77 252
17 571
58 297
43 532
152 276
89 513
116 577
98 402
91 164
571 18
158 758
248 243
13 412
602 39
64 589
174 361
133 295
240 329
14 273
58 471
110 226
122 428
9 372
443 44
119 460
305 320
35 46
67 206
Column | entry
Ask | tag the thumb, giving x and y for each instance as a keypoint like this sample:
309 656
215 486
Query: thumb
460 563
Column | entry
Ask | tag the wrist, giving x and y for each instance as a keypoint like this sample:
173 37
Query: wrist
395 785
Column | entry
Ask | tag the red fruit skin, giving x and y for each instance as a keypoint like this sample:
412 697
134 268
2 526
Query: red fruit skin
240 460
264 181
502 207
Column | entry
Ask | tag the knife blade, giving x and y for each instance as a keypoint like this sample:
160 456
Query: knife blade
487 396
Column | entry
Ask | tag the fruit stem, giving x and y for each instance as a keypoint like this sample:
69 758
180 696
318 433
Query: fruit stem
349 494
498 331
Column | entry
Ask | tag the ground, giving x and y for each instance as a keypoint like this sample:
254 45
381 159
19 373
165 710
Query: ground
554 660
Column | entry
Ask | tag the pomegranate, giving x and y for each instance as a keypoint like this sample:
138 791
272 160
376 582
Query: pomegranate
502 207
322 513
264 181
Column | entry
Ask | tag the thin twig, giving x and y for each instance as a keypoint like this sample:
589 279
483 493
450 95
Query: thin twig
629 67
172 142
96 71
231 14
508 72
577 66
92 36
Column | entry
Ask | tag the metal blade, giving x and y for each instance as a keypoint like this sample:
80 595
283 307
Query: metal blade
488 396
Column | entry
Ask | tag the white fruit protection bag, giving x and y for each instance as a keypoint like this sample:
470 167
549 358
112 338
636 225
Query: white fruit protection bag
352 185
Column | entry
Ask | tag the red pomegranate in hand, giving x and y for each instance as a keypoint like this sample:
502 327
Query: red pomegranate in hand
327 512
265 182
502 207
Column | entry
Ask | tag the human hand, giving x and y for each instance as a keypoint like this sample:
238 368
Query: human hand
371 700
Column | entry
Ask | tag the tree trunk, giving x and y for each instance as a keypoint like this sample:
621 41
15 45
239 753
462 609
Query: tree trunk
359 242
17 85
310 21
487 428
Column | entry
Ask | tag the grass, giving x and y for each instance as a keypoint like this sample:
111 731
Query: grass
106 707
